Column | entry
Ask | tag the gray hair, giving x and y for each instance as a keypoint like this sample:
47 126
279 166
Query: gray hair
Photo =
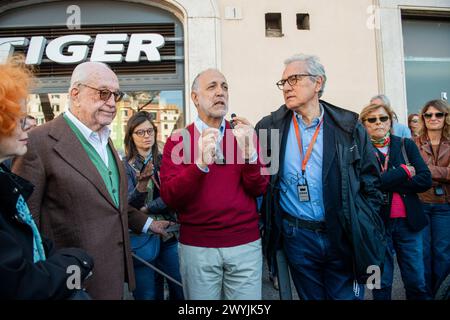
82 73
313 66
383 98
194 87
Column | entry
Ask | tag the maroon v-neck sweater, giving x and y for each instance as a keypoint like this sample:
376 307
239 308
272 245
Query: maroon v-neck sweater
216 209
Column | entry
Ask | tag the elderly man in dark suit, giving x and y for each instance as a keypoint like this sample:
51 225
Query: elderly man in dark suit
80 196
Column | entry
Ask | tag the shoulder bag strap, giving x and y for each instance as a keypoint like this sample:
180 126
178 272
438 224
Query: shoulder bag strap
405 156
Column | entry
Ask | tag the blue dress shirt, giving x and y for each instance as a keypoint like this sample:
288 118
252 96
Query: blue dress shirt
291 175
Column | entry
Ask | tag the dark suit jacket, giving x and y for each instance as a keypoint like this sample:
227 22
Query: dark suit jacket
72 206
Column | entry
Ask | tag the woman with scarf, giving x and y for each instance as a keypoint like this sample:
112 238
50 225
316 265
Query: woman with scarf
142 167
29 266
403 175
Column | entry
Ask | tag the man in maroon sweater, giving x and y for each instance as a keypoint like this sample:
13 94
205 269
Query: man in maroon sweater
211 175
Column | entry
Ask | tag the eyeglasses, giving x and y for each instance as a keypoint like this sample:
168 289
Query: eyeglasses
105 94
25 125
414 121
292 80
438 115
141 133
373 120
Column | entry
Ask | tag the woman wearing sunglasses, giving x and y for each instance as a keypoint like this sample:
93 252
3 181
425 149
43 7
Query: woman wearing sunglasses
413 124
403 175
142 167
30 268
434 145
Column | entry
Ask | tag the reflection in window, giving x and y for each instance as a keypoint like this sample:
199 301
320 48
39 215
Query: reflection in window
160 104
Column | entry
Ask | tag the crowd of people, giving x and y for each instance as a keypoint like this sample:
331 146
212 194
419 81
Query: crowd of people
333 191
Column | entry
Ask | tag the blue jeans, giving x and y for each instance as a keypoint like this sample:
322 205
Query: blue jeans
409 249
436 243
317 272
150 284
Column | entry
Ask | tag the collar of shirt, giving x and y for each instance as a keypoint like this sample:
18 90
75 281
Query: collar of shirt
200 125
101 136
314 122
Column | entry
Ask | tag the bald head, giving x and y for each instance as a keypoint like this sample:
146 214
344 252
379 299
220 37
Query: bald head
201 74
210 96
84 72
87 102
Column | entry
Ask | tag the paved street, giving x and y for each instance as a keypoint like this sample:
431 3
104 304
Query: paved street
269 293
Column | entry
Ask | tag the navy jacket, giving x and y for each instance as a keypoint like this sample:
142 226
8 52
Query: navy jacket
20 277
347 153
395 179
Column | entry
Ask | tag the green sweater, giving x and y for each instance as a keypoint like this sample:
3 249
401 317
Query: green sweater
110 174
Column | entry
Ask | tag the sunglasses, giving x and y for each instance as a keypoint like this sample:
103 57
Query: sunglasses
373 120
105 94
141 133
438 115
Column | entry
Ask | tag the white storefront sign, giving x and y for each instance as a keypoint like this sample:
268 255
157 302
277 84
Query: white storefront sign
108 48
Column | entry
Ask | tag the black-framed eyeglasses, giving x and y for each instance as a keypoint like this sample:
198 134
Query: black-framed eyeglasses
373 120
438 115
141 133
293 79
105 94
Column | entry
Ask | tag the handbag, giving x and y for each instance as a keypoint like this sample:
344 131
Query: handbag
145 245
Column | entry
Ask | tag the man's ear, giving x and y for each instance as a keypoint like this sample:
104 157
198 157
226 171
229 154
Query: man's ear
194 98
74 95
319 83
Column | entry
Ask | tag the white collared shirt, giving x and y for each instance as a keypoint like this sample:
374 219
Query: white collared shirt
98 140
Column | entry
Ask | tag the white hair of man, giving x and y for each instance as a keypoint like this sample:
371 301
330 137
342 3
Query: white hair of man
383 98
313 67
82 73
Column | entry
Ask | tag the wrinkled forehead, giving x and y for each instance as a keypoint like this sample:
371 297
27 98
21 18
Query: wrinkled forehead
378 111
295 67
211 76
103 78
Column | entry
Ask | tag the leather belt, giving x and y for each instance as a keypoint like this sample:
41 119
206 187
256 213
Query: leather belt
318 226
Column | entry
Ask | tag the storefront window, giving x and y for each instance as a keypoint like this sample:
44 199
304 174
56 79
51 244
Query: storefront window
165 106
427 60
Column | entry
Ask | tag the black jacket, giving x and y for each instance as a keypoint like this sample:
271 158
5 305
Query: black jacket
350 174
395 179
20 277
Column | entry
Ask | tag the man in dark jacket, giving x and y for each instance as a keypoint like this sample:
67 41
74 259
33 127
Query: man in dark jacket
322 205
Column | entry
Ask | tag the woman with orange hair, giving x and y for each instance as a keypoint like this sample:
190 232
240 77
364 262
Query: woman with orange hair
29 267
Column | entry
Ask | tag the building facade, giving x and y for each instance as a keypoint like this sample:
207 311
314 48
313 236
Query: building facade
397 47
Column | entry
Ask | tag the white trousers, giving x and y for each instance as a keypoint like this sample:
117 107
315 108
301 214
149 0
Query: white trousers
232 273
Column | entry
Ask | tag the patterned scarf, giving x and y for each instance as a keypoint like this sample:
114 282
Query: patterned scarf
382 142
25 216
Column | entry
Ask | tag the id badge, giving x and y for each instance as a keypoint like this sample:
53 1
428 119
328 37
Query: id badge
303 192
